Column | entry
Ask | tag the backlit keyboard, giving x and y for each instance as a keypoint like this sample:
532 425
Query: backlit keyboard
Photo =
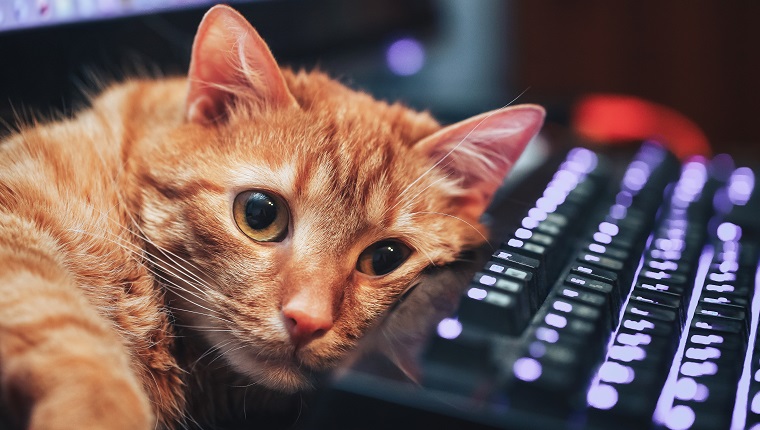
621 296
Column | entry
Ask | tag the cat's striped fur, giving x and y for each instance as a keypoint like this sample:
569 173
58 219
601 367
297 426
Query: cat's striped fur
129 298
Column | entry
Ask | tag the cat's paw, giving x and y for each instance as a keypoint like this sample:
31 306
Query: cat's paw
115 408
108 404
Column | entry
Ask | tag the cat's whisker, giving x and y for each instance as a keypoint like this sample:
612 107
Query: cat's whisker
411 200
168 282
485 239
141 234
178 292
210 350
168 254
445 156
172 307
464 139
221 353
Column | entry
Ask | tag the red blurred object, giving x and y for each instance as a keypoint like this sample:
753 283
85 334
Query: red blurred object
617 119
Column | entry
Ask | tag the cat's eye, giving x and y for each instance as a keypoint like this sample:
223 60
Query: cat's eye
382 257
261 215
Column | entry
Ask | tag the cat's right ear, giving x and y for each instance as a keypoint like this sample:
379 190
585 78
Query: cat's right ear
229 60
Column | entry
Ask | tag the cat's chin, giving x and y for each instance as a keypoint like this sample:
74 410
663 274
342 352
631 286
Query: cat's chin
284 375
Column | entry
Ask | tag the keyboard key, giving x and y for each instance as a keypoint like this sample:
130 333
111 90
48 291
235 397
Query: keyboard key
494 311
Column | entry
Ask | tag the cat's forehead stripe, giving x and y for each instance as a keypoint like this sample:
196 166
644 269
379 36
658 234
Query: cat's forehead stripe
277 178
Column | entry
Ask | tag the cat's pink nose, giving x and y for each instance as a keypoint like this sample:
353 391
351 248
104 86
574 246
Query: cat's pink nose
305 324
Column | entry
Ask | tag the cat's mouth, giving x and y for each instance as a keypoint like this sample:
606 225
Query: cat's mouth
289 372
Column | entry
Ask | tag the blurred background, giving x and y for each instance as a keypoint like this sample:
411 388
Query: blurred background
455 58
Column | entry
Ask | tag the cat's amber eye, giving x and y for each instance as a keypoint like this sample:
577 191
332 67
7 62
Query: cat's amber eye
382 257
261 215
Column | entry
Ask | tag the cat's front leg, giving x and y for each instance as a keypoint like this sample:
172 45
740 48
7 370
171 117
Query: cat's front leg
61 365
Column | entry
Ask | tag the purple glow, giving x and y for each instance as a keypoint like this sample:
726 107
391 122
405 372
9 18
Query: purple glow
681 417
562 306
755 405
584 160
676 231
565 180
597 248
739 417
666 255
728 231
569 293
728 266
656 287
627 353
545 204
721 201
724 288
537 214
537 349
636 176
729 255
527 369
618 211
547 334
624 199
496 268
657 275
405 57
634 339
523 233
740 186
686 389
663 412
529 223
517 243
712 339
699 369
702 393
637 311
555 194
640 325
589 257
449 328
477 293
722 277
602 238
609 228
555 320
487 280
664 265
703 354
616 373
602 396
718 300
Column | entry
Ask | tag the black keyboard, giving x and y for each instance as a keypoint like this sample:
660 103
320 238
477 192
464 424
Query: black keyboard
621 296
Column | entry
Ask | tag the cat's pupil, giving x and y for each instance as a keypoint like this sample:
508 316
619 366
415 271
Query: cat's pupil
387 257
260 211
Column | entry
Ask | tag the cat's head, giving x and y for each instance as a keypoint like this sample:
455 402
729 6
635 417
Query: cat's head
289 212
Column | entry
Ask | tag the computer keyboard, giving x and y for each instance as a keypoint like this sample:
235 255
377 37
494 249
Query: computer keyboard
621 296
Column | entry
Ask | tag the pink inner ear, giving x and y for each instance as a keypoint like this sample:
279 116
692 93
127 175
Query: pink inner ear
481 150
229 60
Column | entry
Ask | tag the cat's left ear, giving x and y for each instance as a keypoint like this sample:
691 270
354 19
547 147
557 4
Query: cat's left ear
481 150
230 60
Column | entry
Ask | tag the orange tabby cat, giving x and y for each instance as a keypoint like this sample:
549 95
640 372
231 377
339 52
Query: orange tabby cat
188 251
